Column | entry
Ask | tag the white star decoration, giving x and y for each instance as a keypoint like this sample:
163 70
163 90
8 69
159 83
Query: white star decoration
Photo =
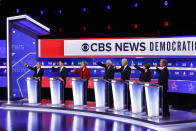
174 86
191 87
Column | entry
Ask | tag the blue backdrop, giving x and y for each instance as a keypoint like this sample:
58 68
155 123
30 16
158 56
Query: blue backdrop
182 70
3 63
182 73
23 50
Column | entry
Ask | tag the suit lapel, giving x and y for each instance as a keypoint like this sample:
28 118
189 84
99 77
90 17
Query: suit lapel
125 68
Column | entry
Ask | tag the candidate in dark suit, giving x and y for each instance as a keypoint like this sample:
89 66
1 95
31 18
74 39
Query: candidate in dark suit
125 75
108 75
163 80
62 73
38 72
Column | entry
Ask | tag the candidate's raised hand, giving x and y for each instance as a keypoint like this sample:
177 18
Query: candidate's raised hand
132 63
25 63
156 65
54 64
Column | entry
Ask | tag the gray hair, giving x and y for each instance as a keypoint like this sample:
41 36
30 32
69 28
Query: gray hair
109 61
124 59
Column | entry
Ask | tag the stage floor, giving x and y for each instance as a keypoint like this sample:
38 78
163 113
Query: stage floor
178 120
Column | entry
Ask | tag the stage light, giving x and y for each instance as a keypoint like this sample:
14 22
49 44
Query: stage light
84 28
166 3
60 29
135 5
17 11
41 12
108 7
60 12
166 23
135 26
83 9
108 27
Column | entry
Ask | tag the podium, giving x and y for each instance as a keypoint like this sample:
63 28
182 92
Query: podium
100 92
118 90
152 92
78 91
136 94
55 90
32 89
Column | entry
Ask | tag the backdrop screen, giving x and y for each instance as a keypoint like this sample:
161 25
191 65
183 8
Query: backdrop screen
181 62
182 69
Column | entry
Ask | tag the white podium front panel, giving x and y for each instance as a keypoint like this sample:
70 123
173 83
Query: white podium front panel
55 86
136 94
100 92
78 91
152 100
118 90
32 90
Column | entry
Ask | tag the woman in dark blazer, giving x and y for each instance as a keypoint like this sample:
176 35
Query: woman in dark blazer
84 74
145 75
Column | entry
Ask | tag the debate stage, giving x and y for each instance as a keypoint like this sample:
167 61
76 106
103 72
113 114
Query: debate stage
179 120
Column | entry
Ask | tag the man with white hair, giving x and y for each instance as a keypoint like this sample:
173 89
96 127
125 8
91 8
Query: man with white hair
125 75
109 70
108 75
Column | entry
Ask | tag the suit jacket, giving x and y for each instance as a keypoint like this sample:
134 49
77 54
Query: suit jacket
125 73
39 74
163 77
84 74
63 73
144 76
109 72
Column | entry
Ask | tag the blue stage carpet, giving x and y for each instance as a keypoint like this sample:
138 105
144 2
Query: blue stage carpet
35 121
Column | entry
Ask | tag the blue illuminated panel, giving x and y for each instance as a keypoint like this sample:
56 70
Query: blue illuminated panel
3 49
23 50
3 63
182 70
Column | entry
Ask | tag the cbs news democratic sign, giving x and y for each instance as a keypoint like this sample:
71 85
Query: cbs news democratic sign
176 46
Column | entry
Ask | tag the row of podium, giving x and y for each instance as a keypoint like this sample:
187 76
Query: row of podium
152 93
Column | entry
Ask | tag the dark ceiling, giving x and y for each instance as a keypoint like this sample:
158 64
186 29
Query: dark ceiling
106 18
